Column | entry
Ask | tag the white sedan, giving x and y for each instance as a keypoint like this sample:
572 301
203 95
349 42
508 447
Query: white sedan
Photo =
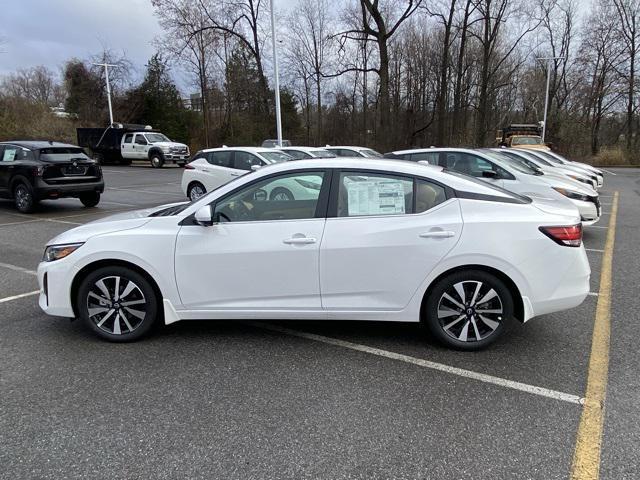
388 241
507 173
214 167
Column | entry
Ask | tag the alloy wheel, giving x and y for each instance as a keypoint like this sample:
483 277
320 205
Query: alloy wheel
470 311
116 305
196 192
23 197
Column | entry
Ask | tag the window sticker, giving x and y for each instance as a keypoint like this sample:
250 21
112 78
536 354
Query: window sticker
381 197
9 155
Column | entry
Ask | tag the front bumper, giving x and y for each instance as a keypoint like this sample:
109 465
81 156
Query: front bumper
43 190
55 279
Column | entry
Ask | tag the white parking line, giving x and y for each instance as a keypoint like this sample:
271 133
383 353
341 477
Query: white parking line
117 203
18 269
22 295
18 223
594 250
523 387
593 294
608 171
145 191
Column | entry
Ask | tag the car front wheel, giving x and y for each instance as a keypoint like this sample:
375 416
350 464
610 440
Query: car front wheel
468 310
156 160
117 303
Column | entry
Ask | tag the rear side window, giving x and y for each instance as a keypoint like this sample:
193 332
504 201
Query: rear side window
220 159
364 194
430 157
428 195
244 161
128 138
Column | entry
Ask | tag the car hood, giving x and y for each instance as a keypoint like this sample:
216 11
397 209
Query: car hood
112 223
168 144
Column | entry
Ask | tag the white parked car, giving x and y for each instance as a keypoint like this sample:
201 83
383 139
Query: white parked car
566 163
303 153
355 152
536 161
512 175
388 241
214 167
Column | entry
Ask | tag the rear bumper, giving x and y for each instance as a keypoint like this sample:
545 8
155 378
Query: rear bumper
43 190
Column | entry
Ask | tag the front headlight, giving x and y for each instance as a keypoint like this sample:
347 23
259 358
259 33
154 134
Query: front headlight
571 194
56 252
165 149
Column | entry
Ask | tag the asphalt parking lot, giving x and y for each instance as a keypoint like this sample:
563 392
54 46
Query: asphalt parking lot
308 399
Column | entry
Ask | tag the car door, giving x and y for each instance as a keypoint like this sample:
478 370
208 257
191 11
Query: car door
218 169
9 161
384 234
127 146
4 173
261 253
140 146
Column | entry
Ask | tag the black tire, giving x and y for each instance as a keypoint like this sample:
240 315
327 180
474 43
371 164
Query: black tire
23 198
156 159
131 285
182 164
90 199
194 188
281 193
447 321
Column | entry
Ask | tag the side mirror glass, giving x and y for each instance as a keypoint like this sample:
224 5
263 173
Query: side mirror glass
204 216
489 174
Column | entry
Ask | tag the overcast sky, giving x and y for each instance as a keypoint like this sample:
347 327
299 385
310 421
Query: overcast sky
49 32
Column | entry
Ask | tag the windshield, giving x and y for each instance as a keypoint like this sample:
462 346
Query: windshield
551 158
535 157
367 152
515 164
484 184
526 140
156 137
60 154
275 156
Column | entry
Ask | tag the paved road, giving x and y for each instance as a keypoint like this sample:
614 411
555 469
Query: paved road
237 400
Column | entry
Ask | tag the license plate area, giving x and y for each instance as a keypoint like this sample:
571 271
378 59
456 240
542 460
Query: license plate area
74 170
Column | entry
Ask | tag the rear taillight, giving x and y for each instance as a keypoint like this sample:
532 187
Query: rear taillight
569 236
188 166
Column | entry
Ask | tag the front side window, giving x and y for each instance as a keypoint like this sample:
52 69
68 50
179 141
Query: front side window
293 196
362 194
140 140
472 165
276 156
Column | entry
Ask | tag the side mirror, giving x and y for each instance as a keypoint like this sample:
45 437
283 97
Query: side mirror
204 216
255 167
489 174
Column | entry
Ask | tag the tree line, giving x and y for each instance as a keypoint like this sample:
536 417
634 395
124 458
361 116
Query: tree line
382 73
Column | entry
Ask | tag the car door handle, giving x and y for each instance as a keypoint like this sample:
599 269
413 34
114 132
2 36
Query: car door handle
438 234
235 174
299 240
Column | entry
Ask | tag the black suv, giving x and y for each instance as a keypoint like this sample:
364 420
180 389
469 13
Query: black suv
33 171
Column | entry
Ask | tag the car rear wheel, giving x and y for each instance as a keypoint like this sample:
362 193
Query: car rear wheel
468 310
90 199
196 190
117 303
281 194
23 198
156 160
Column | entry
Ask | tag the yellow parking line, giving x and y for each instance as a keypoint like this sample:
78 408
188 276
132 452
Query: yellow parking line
586 456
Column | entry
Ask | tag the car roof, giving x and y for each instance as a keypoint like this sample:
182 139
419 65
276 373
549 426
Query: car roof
433 149
242 149
350 147
399 167
37 144
303 149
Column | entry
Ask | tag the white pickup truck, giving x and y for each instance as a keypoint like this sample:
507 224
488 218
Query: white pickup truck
155 147
122 143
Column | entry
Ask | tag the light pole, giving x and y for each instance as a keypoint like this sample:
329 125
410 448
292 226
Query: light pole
106 73
277 76
546 96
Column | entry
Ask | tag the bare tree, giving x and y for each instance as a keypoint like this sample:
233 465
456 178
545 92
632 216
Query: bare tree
37 84
629 26
380 23
310 39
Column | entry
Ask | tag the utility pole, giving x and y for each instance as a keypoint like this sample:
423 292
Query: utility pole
106 73
277 76
546 96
